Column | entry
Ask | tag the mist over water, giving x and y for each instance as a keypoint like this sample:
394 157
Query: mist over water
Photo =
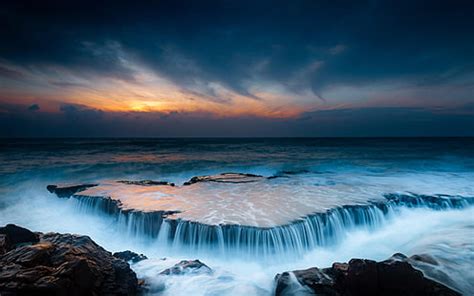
340 167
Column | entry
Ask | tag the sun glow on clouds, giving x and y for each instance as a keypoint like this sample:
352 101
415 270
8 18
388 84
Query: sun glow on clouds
148 91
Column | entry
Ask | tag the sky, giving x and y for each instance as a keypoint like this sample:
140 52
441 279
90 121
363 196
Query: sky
236 68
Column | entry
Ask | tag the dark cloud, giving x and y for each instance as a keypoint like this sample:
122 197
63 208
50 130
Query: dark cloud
297 45
66 84
34 107
74 112
77 121
9 73
225 41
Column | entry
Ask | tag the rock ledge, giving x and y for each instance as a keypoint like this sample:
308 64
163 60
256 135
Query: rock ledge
394 276
59 264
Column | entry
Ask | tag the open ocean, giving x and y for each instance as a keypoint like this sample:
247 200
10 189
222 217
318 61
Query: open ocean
334 172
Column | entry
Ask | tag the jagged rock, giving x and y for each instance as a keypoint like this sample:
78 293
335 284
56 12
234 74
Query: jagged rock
286 174
225 178
17 235
4 244
68 191
130 256
64 264
187 266
394 276
424 258
146 183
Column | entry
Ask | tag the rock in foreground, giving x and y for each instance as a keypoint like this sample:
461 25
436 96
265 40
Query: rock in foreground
130 256
187 267
394 276
61 264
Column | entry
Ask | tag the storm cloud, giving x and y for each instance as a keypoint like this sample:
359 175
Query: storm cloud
345 55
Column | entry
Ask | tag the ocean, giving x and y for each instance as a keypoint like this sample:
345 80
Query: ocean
360 186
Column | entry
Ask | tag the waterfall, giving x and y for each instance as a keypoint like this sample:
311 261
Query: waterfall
293 239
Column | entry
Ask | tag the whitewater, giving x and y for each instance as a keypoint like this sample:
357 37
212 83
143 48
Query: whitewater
339 199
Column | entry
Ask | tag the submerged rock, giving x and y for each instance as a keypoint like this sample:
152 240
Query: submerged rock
186 267
146 183
225 178
130 256
63 264
68 191
394 276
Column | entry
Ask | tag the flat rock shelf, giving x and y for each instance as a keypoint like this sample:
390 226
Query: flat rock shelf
247 213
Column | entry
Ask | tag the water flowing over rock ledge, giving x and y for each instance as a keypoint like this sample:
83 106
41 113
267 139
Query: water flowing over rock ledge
296 237
65 264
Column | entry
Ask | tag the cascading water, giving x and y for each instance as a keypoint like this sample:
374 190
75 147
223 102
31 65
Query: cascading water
350 174
294 239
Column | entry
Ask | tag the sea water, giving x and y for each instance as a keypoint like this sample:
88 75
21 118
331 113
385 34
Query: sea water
337 171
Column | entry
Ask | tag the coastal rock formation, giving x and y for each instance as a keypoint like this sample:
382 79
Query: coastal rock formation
394 276
147 183
244 215
186 267
60 264
225 178
130 256
68 191
12 235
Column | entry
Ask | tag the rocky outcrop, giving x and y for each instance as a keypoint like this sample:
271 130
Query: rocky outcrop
395 276
187 267
130 256
68 191
61 264
12 235
225 178
146 183
287 174
183 215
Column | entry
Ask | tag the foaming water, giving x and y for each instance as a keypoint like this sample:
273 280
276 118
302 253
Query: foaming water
346 179
447 236
278 243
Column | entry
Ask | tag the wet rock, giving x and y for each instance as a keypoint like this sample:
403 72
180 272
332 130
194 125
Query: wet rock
394 276
186 267
423 258
64 264
225 178
4 244
287 174
147 183
130 256
18 235
437 201
68 191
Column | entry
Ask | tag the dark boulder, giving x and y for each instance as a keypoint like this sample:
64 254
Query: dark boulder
233 178
130 256
64 264
68 191
146 183
17 235
186 267
394 276
5 244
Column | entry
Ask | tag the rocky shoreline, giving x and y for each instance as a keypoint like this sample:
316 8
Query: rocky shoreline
394 276
60 264
35 263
